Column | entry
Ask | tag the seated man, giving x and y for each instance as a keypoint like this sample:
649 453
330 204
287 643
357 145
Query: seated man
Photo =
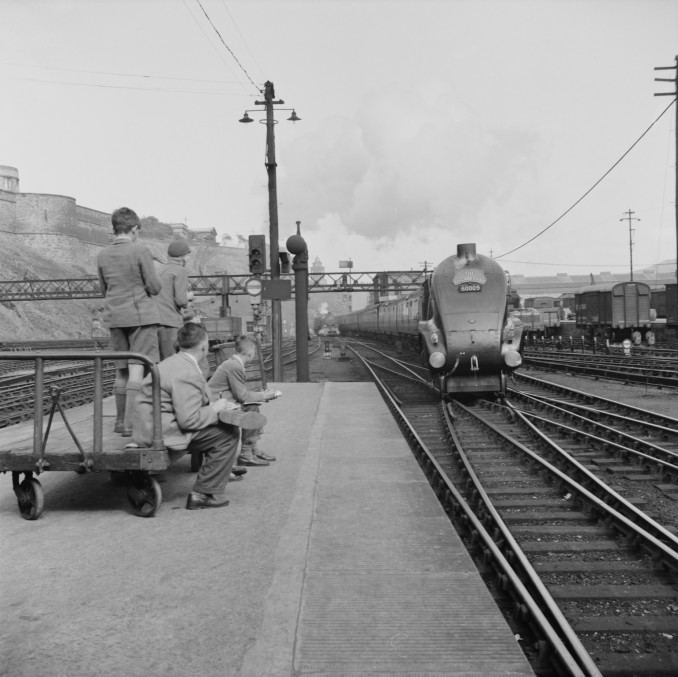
229 381
190 421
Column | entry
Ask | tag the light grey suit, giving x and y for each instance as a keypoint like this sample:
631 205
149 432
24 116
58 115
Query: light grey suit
188 421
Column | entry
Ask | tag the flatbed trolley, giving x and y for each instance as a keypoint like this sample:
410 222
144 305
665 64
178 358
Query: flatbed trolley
100 452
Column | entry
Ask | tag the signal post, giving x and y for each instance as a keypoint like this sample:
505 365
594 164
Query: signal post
297 245
257 264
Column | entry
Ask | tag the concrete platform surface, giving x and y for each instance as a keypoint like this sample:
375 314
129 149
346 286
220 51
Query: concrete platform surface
334 560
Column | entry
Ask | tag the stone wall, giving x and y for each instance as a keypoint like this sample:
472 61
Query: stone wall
38 213
7 210
92 226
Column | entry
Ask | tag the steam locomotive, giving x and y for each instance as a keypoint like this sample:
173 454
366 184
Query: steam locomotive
458 320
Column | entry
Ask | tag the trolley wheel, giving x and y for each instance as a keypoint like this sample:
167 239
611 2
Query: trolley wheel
196 460
30 498
144 494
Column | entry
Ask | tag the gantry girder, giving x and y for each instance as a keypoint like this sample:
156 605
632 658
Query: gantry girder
217 285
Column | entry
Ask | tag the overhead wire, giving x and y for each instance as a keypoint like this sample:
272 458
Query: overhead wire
145 76
595 185
242 37
231 52
103 86
208 37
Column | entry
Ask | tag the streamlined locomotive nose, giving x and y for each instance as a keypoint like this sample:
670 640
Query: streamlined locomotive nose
468 302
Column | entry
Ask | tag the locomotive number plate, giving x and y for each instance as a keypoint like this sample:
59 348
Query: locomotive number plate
469 286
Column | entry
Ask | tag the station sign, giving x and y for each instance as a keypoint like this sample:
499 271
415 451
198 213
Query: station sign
277 290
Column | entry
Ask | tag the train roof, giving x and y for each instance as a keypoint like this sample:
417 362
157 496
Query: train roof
609 286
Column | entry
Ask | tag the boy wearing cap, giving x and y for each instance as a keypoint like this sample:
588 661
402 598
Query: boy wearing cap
173 296
129 282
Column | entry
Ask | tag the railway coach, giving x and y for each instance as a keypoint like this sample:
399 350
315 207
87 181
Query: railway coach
459 321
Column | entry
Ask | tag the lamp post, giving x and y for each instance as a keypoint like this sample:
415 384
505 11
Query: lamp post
276 312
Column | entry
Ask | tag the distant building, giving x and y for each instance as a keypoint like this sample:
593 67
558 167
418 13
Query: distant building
562 283
208 235
317 266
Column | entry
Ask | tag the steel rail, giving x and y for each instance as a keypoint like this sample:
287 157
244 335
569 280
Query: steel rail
512 548
626 376
610 444
597 414
631 364
403 365
668 421
412 379
623 514
614 432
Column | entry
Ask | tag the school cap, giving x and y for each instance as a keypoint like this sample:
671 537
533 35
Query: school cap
178 248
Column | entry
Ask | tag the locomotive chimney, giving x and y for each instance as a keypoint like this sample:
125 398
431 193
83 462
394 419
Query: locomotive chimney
466 251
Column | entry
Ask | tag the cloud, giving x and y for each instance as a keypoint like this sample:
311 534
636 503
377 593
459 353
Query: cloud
396 167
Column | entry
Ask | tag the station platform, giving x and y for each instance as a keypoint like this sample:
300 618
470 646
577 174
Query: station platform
334 560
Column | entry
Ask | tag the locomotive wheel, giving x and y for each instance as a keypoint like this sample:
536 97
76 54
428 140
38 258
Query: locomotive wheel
144 494
30 498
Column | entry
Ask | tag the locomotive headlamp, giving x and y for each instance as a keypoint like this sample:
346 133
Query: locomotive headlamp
437 360
512 358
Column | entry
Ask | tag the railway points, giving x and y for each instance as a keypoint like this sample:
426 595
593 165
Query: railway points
337 559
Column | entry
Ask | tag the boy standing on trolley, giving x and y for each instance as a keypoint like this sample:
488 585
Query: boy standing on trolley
129 282
173 297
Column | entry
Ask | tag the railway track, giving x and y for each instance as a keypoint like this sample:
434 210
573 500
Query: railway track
634 449
74 381
600 570
656 371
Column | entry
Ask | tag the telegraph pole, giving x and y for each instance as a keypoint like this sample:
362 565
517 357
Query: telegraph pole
675 94
630 218
276 310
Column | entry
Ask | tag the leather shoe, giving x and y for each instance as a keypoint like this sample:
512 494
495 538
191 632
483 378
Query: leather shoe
250 420
264 457
235 478
197 501
238 470
251 460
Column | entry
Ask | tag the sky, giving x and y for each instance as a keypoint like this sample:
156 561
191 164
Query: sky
424 123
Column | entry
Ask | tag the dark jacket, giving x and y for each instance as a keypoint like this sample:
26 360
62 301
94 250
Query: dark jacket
174 293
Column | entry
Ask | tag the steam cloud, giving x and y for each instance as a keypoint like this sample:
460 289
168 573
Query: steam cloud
396 168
